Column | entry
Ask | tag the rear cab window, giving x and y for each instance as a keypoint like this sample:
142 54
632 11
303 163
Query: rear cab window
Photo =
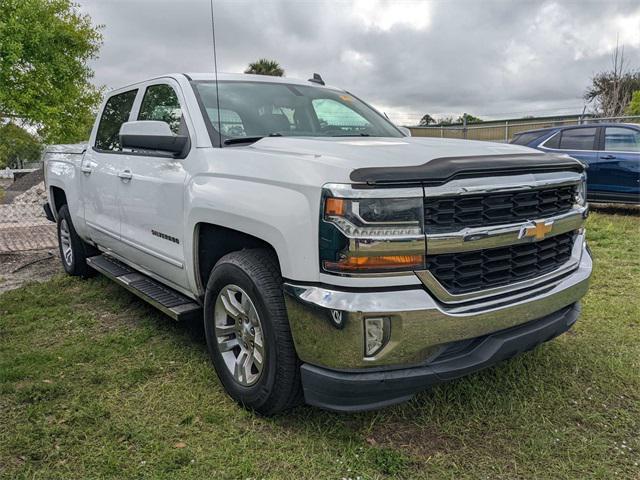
116 112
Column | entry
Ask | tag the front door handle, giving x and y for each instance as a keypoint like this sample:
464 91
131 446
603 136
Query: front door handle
608 157
125 175
86 170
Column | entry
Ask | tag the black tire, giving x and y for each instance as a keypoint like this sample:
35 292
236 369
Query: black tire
76 263
256 272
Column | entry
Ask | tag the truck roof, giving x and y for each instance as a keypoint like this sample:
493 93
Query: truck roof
210 76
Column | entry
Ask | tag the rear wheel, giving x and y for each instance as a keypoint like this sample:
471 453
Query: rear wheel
248 333
73 250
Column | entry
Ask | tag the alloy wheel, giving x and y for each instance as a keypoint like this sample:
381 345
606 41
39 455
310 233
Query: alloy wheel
239 334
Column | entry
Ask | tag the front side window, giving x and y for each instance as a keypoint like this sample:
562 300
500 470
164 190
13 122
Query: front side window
619 139
578 139
250 109
116 112
160 103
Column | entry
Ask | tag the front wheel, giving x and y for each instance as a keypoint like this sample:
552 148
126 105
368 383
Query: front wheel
248 333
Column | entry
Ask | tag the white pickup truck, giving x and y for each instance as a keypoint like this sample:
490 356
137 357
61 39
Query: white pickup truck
333 258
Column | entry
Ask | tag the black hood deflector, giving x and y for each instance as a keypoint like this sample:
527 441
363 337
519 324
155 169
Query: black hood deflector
441 170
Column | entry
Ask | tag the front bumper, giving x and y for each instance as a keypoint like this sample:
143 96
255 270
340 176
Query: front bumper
349 392
421 328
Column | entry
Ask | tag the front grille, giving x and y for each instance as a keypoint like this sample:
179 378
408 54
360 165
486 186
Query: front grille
494 267
456 212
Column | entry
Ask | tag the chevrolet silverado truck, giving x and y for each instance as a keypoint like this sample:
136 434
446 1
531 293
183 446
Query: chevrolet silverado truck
332 258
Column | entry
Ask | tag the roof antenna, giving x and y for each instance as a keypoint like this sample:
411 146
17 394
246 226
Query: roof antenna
316 77
215 72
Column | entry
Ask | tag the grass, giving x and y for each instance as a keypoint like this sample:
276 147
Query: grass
95 384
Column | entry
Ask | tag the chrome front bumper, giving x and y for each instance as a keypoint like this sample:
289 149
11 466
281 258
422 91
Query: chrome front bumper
421 326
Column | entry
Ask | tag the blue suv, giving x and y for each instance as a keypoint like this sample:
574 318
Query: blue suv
611 150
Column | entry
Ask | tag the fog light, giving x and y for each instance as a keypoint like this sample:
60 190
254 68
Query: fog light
376 334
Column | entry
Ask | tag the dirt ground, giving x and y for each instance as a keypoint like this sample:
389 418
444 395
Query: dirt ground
19 268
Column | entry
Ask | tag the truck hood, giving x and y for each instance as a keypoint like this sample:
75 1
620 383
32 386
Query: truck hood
358 152
384 160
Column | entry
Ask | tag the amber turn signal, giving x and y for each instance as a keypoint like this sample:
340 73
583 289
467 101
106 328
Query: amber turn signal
390 262
335 206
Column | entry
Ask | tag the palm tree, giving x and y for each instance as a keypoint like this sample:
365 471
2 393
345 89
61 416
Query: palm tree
264 66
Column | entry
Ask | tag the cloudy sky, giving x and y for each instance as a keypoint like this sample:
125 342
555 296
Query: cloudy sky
493 59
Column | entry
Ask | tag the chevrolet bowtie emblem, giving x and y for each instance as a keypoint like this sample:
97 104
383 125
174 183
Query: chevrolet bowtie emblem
537 229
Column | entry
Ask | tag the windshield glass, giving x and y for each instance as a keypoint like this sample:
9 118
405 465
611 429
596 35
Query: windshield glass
257 109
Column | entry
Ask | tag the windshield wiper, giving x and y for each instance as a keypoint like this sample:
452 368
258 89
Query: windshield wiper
239 140
356 135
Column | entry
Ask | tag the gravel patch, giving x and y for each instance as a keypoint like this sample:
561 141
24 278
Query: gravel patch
34 195
17 269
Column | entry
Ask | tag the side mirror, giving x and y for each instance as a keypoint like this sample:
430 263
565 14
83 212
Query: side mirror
405 130
151 135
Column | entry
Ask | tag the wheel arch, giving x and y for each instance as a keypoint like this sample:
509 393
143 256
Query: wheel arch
59 198
212 242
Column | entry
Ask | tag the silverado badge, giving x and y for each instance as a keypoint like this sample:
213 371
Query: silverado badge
536 228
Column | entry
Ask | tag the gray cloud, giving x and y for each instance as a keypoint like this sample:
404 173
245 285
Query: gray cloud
407 57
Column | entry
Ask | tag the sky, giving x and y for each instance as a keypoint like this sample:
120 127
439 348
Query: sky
490 58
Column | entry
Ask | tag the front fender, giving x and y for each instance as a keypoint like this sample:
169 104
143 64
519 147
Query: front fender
283 215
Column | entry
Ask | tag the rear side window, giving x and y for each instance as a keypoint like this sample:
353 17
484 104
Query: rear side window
116 112
578 139
619 139
161 103
526 138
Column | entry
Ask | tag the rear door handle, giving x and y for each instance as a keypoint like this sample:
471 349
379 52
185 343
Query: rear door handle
125 175
608 157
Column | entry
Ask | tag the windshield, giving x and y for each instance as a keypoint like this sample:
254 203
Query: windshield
251 110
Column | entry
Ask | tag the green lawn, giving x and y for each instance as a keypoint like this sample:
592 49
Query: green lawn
95 384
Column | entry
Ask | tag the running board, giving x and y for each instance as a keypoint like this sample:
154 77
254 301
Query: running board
165 299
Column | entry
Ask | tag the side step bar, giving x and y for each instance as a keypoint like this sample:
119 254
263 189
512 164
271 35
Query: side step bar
165 299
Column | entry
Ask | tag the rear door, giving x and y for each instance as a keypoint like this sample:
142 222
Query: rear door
152 197
100 168
619 164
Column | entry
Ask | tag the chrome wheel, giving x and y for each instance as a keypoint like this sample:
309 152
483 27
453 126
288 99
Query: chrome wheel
65 242
239 335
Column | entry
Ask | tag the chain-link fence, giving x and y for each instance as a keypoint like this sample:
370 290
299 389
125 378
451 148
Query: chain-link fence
23 225
504 130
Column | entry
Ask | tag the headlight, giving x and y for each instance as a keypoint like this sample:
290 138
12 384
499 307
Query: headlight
364 233
581 192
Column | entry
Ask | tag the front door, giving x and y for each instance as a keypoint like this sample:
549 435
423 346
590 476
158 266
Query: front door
152 195
100 167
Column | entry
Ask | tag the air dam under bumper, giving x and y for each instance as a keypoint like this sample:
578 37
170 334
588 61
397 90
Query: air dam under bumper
429 342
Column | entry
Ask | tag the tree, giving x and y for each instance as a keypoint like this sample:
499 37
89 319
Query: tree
634 105
264 66
610 91
470 119
44 78
426 120
446 121
17 146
